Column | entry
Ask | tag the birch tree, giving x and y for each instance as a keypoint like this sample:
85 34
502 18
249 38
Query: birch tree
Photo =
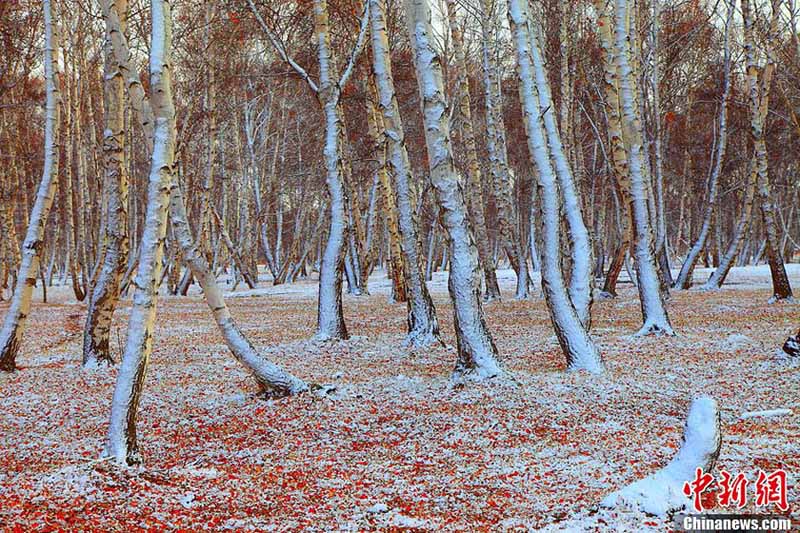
330 317
423 327
684 280
578 347
121 443
14 323
105 295
476 349
656 319
475 203
498 151
759 81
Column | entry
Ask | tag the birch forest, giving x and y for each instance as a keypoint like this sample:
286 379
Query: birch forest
399 265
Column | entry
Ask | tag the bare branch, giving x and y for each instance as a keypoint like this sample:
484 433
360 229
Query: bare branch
357 48
281 50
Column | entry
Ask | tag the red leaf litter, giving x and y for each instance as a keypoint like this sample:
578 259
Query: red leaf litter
396 446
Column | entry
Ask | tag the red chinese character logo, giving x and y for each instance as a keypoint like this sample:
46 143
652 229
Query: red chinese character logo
701 482
771 488
732 490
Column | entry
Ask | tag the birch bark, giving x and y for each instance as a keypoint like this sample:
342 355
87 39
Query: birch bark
476 350
475 203
655 315
578 347
105 294
121 443
17 314
423 325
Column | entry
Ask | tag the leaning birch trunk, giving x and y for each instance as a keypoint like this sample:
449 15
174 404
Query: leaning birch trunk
423 325
658 166
330 317
578 347
498 154
475 202
580 283
273 380
684 280
105 295
759 107
17 314
619 156
655 315
121 444
737 241
476 349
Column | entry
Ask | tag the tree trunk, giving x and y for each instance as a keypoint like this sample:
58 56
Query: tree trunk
423 326
580 283
619 156
737 241
121 444
684 280
759 105
330 317
17 314
498 153
476 349
655 315
105 293
578 347
475 202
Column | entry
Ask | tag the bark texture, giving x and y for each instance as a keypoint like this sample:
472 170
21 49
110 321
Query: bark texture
476 349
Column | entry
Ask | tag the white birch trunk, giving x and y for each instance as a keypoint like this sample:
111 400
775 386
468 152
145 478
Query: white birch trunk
498 153
17 314
580 289
121 444
476 349
105 295
578 347
423 326
655 315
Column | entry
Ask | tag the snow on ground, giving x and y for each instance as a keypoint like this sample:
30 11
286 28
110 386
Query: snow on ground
395 446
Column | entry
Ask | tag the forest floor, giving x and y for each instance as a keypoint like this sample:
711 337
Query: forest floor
396 446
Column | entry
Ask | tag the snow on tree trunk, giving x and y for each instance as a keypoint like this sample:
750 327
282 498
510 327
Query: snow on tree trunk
619 155
737 241
655 315
121 444
377 133
792 345
758 90
330 318
580 288
476 349
578 347
684 280
475 203
662 492
423 326
105 295
273 380
498 154
17 314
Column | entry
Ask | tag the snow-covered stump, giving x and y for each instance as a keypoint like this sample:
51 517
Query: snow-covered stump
662 493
